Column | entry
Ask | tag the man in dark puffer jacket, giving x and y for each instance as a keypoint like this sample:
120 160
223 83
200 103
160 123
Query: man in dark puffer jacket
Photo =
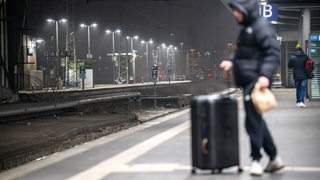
297 61
255 61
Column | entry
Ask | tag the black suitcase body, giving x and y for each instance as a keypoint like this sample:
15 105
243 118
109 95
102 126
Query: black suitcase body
214 130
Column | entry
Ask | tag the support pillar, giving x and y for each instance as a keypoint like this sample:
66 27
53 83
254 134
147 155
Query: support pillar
304 28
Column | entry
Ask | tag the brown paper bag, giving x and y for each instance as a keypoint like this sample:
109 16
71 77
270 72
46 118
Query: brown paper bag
263 99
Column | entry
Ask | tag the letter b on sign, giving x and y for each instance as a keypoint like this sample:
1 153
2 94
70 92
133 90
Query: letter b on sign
269 11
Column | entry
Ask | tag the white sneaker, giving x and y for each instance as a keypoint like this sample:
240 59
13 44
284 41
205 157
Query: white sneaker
302 105
256 169
274 165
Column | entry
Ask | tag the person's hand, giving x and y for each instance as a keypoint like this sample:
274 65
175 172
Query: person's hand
263 82
226 65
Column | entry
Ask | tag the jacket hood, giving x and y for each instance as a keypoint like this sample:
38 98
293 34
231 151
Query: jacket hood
250 9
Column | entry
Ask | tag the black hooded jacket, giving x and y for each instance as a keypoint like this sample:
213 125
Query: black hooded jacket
297 62
258 51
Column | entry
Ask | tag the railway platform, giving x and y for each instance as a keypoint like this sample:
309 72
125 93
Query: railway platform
160 147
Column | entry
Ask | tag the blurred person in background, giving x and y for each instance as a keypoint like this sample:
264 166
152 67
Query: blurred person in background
297 61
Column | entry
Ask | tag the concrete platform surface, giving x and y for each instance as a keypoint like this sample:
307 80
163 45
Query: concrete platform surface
160 149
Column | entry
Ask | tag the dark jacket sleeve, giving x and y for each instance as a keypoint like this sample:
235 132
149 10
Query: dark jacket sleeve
270 47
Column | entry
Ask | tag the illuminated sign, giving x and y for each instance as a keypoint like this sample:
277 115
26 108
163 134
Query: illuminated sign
314 54
269 11
314 38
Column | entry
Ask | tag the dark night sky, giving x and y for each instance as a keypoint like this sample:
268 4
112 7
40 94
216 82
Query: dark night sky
204 25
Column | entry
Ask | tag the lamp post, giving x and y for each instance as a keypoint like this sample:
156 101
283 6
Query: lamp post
147 56
113 55
133 58
57 44
89 55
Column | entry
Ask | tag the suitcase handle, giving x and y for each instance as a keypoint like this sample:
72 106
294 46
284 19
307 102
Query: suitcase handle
204 146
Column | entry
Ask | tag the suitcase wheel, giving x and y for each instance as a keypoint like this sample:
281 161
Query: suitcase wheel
216 171
240 170
193 170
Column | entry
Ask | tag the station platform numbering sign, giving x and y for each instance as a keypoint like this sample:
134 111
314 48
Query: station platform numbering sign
269 11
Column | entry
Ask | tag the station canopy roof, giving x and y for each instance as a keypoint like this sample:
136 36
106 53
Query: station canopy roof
290 10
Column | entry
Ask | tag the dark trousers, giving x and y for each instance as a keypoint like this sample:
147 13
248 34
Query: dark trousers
257 129
300 90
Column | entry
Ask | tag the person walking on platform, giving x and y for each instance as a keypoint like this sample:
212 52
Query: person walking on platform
297 62
255 61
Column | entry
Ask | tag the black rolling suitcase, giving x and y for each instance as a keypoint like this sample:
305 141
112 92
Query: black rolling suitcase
214 130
